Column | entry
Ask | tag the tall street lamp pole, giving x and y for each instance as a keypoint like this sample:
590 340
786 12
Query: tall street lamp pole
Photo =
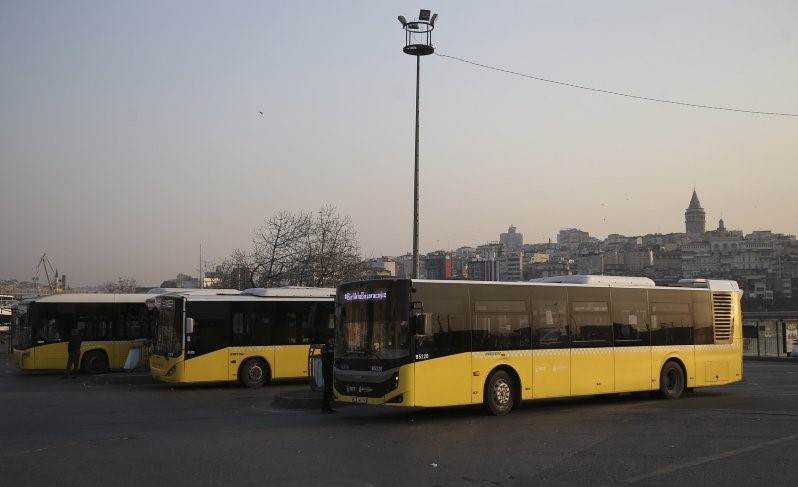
418 42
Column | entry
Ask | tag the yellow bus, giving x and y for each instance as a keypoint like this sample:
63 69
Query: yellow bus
114 328
444 343
252 336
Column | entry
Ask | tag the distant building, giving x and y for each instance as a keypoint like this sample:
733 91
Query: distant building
211 279
638 260
764 263
383 266
404 266
548 269
189 283
511 266
481 269
511 240
575 240
438 265
695 218
489 250
460 259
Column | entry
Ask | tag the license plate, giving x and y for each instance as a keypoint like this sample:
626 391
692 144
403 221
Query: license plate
360 400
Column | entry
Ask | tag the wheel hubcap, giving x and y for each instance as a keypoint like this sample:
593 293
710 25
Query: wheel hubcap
255 373
501 393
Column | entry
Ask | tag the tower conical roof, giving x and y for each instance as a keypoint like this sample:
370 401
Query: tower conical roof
694 203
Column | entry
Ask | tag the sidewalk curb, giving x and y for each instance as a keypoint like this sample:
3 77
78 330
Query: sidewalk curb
757 358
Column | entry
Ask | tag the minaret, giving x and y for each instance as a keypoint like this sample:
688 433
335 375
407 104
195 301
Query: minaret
695 218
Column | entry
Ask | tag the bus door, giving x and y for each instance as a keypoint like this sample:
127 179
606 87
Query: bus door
592 358
443 368
551 347
207 352
551 364
50 347
251 336
631 340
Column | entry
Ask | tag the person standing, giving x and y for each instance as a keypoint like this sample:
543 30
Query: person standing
327 359
73 362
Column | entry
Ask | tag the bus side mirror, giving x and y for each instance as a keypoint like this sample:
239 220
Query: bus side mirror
421 324
189 326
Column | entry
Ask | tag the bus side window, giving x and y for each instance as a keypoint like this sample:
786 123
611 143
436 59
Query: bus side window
52 331
591 325
549 329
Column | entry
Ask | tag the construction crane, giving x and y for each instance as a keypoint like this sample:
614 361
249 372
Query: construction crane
52 275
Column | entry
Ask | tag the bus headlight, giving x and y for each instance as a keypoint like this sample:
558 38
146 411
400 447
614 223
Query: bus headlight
171 371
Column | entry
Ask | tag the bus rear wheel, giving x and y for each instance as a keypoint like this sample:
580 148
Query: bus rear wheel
499 393
94 362
671 381
254 373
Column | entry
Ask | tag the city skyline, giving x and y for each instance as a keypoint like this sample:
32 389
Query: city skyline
696 229
132 134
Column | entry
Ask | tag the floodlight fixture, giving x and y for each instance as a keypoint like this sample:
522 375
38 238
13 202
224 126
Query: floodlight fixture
418 33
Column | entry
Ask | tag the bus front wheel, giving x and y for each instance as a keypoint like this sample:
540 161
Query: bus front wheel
95 362
254 373
499 393
671 381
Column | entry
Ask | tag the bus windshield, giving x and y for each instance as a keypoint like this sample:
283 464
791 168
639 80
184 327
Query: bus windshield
374 320
21 337
168 336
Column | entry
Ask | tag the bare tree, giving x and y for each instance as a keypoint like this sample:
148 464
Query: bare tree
277 247
234 272
306 249
333 249
122 285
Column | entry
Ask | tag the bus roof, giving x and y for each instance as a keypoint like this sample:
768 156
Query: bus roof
198 291
601 281
89 298
598 280
288 293
716 284
291 292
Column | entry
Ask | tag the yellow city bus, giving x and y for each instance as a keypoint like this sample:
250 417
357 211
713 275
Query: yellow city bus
115 329
252 336
444 343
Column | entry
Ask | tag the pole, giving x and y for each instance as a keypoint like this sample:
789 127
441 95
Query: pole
415 181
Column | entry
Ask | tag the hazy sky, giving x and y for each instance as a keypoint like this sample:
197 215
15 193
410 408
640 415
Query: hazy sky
130 132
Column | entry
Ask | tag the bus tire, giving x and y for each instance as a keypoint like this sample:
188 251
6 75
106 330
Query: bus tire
94 362
254 373
671 380
499 393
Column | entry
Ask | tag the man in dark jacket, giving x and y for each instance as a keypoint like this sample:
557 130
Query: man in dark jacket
327 358
73 363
